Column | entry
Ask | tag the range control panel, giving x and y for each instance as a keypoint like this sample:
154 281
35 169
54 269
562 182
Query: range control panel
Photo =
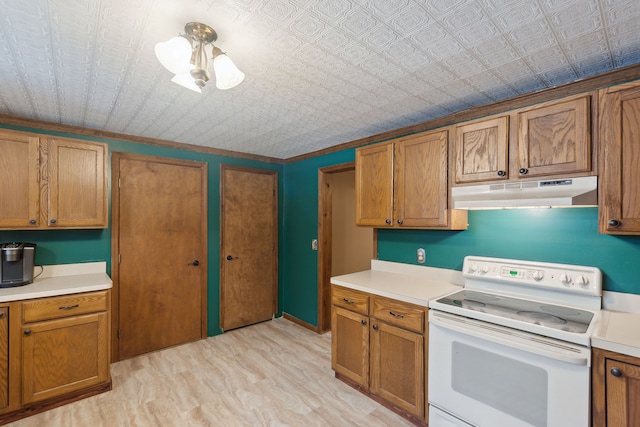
565 277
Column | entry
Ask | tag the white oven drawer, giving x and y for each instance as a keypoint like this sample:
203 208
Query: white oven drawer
439 418
492 376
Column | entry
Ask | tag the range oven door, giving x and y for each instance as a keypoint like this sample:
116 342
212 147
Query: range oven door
488 375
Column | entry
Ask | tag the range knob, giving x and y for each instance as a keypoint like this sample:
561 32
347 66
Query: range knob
538 275
484 269
473 267
565 279
582 281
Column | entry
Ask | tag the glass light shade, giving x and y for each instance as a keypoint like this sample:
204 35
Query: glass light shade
227 74
185 80
175 54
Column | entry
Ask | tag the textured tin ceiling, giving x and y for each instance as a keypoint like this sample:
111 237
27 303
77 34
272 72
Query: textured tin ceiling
318 72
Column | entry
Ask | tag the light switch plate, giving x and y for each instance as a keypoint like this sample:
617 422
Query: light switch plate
314 244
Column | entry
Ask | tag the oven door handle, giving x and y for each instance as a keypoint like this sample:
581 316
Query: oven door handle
525 341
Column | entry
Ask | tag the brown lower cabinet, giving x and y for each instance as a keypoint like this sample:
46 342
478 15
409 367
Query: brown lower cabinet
53 350
616 389
379 346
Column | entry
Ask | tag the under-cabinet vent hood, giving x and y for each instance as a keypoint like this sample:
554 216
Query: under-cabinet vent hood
549 193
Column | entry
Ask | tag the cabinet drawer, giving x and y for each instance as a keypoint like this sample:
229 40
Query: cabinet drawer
64 306
399 314
350 299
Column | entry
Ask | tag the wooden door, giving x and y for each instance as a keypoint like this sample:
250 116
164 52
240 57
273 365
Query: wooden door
249 246
77 184
420 177
397 364
64 355
4 358
19 180
623 394
160 259
555 138
619 176
350 345
374 185
481 150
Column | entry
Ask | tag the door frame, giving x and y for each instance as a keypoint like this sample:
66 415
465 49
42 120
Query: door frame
276 225
325 229
115 240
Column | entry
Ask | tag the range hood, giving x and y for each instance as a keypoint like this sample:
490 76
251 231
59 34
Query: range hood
549 193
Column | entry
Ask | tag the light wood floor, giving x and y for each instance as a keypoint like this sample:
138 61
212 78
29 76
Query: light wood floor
271 374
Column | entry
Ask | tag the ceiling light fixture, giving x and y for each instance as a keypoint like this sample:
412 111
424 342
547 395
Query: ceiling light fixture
187 56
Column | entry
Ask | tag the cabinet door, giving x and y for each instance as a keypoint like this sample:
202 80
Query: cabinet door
65 355
481 150
420 177
397 367
555 138
623 394
77 184
350 345
4 358
620 173
19 183
374 185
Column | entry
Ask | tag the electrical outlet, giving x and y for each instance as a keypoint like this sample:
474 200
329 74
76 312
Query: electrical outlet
314 244
421 256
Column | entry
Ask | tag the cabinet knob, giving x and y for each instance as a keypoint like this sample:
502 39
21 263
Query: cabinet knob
32 222
1 314
400 221
27 331
53 221
614 223
524 171
229 258
195 262
364 322
388 221
501 173
616 372
375 327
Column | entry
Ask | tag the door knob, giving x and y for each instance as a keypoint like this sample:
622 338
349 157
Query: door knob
196 262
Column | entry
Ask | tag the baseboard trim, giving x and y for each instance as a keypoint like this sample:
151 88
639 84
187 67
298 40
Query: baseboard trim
46 405
300 322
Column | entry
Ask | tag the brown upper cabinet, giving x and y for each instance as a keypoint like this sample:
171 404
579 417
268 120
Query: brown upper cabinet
403 184
48 182
482 149
550 139
619 120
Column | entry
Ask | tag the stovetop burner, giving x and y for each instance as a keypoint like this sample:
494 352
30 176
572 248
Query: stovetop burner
552 316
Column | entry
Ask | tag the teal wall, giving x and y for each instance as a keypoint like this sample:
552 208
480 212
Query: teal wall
554 235
75 246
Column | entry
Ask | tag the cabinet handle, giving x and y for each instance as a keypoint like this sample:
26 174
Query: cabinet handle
33 221
399 316
524 171
53 221
195 262
501 173
616 372
614 223
364 322
1 314
400 221
388 221
375 327
27 331
68 307
348 301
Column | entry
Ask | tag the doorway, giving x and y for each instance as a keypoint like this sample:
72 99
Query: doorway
343 247
159 253
248 246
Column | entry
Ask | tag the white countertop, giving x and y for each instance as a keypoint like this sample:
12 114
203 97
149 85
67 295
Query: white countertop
404 282
618 331
61 280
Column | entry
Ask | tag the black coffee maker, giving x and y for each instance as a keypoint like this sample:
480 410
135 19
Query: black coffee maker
16 263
